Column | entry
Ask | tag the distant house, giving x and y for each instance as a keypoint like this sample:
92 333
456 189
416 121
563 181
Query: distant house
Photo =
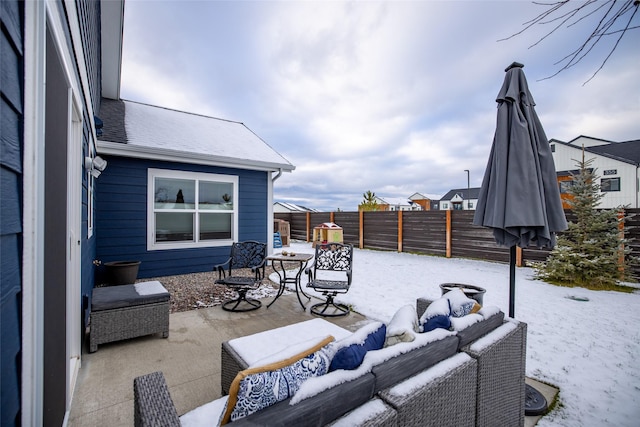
180 188
616 164
427 203
396 204
284 207
460 199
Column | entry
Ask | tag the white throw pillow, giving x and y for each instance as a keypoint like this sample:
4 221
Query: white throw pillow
403 326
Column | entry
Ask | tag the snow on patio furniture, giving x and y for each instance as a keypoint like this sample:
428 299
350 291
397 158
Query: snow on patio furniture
404 374
330 274
247 254
128 311
499 347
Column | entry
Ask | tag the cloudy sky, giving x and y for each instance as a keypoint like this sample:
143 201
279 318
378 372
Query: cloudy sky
392 97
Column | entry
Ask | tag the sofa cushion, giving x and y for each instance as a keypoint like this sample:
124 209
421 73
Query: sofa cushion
402 327
350 351
275 381
439 307
326 406
439 321
120 296
479 329
406 365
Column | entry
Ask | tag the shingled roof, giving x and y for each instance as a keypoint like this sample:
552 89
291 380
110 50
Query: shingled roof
145 131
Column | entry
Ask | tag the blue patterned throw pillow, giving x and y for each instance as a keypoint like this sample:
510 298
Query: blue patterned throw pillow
461 305
257 388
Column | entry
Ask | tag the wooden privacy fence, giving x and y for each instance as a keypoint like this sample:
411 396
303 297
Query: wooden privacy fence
443 233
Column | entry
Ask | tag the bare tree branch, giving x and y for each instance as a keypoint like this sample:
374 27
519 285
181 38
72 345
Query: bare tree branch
611 13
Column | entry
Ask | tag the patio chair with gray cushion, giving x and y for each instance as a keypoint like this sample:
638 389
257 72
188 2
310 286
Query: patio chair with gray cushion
330 274
244 255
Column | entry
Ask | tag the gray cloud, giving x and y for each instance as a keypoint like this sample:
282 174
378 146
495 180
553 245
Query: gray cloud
392 97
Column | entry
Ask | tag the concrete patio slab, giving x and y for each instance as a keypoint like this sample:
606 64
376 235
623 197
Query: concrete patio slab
189 360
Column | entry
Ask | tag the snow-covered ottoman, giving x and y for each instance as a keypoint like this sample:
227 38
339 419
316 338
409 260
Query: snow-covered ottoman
128 311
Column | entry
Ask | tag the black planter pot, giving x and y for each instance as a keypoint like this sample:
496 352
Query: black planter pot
121 272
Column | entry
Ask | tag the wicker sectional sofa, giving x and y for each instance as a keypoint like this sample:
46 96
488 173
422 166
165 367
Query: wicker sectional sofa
472 377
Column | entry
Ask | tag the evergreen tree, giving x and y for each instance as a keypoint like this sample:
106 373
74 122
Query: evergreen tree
369 202
590 252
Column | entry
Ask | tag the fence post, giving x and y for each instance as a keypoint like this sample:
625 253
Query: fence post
331 217
448 234
399 231
308 221
361 229
621 250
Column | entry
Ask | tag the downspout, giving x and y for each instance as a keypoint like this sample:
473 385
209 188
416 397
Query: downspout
270 212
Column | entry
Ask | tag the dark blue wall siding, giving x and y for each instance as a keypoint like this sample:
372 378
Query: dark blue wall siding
11 148
121 217
89 20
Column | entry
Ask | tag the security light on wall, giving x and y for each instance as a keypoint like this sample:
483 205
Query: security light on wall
95 166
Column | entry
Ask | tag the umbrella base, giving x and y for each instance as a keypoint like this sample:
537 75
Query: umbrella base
534 402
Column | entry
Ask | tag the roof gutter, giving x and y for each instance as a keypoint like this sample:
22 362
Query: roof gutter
163 154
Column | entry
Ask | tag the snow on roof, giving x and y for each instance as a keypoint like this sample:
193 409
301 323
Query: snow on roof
295 208
161 130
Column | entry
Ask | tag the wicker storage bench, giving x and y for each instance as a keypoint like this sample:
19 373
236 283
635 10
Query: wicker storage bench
128 311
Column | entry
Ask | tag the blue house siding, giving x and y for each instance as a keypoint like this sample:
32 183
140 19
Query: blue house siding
11 148
89 21
121 217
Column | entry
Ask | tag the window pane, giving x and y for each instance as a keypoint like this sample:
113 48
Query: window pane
172 193
609 184
215 195
173 227
565 186
215 226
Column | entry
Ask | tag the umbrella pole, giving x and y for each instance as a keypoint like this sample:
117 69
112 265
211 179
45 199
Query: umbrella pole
512 281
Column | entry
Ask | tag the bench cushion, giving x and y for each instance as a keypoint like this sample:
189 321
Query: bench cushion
110 297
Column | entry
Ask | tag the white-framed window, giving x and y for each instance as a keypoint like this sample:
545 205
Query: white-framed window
191 209
609 184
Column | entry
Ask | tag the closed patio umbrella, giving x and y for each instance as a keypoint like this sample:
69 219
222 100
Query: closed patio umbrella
519 198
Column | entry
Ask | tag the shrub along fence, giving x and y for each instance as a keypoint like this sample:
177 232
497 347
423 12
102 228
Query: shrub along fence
441 233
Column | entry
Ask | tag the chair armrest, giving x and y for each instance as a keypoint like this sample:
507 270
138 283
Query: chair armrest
152 402
257 268
309 271
220 268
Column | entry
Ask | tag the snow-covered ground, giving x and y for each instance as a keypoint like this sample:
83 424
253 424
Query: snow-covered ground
590 349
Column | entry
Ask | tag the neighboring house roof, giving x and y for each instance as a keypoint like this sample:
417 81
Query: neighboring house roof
139 130
466 194
393 201
627 152
624 151
421 196
295 208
